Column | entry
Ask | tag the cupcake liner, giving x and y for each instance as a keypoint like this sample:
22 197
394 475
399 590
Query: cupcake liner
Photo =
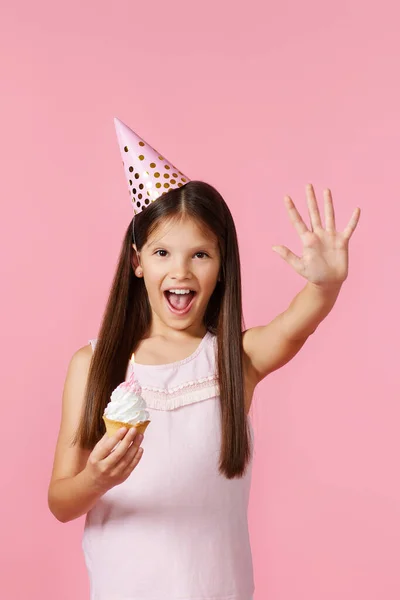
113 426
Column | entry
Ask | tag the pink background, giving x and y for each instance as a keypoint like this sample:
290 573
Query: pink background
257 100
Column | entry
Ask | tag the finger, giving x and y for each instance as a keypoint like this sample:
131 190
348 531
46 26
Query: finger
135 461
313 209
119 452
107 443
352 224
132 448
295 217
289 257
128 457
330 224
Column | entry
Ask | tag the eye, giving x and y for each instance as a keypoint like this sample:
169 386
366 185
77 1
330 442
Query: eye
163 255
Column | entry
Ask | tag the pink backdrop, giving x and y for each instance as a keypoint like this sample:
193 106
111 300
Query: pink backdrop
257 100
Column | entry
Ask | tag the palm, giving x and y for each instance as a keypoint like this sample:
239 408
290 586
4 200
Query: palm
324 259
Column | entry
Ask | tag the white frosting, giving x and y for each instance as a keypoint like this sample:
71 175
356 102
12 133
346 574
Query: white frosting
126 406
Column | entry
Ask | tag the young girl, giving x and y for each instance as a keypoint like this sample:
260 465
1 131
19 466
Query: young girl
166 516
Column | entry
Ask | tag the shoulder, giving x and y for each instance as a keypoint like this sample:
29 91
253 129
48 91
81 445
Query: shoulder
83 354
78 370
81 359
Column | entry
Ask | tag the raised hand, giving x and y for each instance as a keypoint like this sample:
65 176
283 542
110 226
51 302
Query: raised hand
325 255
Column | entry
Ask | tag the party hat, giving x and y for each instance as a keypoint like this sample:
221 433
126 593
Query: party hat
148 173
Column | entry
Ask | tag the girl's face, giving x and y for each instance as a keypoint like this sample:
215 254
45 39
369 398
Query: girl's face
179 255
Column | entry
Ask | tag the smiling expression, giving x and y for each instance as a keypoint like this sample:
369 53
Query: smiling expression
179 255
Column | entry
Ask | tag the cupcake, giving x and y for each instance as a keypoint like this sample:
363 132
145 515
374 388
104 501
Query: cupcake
127 408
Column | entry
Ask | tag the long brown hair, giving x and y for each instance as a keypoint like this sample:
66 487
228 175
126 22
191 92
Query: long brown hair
127 318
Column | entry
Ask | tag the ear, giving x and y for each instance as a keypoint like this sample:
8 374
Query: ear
136 260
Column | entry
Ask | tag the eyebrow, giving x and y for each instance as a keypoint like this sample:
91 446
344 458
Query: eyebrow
206 245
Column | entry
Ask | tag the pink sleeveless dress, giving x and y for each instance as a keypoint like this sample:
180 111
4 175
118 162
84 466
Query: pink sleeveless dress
175 529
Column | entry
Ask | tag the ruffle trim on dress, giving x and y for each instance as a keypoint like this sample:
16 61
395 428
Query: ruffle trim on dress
196 384
189 393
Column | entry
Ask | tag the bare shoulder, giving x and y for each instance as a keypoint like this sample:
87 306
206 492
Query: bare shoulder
69 459
82 357
266 348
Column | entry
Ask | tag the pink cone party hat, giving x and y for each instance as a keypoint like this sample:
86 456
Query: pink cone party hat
148 173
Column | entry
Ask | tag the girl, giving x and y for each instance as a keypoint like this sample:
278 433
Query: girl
166 516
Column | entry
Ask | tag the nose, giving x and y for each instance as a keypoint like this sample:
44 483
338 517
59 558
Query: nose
180 269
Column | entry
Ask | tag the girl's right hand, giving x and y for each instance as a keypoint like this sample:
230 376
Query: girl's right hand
113 459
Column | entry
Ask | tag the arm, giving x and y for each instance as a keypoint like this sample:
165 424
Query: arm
81 476
72 497
271 346
70 493
307 310
324 263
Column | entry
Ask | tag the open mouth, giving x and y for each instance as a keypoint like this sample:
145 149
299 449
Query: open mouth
179 304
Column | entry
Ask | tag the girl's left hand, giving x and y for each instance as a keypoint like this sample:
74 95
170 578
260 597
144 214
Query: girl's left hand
324 261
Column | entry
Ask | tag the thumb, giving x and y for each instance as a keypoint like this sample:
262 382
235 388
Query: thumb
281 250
288 256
